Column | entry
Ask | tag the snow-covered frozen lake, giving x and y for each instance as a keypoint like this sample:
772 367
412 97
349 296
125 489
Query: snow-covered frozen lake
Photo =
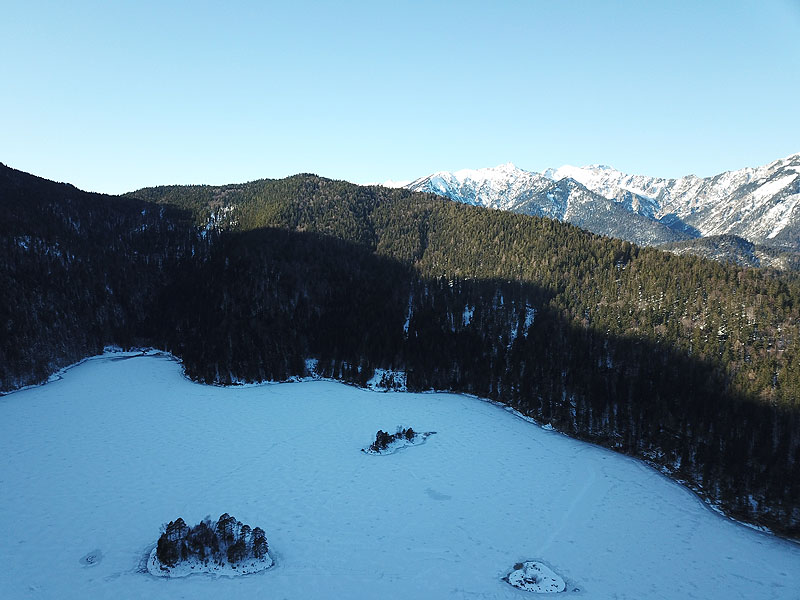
95 463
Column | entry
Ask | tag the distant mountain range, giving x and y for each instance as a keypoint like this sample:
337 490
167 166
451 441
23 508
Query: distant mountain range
759 205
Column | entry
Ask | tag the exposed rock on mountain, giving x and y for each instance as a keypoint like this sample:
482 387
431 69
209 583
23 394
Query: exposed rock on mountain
757 204
510 188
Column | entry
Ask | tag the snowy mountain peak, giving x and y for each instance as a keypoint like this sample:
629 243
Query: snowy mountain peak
585 175
498 173
390 183
503 187
760 204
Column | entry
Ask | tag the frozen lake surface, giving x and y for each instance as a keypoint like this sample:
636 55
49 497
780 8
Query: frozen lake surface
95 463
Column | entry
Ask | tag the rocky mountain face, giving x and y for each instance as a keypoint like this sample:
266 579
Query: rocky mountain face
758 204
508 187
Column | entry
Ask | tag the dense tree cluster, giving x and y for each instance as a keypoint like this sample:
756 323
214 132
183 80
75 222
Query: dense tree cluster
227 540
384 439
688 363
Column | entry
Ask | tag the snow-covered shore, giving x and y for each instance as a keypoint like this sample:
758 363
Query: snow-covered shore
97 461
195 567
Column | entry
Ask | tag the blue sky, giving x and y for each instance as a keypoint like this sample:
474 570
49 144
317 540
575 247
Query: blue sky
114 96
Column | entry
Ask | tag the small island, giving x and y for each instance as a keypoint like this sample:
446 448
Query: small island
386 443
226 547
532 576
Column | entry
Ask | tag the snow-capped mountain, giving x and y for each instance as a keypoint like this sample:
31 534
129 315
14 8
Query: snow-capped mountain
759 204
508 187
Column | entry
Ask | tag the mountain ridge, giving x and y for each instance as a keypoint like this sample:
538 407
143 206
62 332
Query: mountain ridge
759 204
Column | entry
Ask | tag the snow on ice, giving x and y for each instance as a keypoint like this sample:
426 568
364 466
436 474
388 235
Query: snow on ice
196 567
97 461
532 576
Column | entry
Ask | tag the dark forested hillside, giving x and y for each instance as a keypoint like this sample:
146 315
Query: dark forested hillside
78 271
691 364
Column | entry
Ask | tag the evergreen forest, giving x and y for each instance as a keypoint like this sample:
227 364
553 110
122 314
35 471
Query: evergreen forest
687 363
226 541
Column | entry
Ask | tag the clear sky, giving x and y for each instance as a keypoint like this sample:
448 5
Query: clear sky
114 96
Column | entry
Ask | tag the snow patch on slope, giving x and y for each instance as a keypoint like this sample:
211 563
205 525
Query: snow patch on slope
773 187
781 215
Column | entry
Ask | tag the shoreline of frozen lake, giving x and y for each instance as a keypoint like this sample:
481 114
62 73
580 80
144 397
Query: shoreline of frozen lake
98 460
194 566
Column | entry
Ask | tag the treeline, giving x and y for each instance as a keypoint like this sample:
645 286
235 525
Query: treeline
691 364
299 295
743 320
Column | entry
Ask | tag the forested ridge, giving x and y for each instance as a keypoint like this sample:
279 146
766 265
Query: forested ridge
686 362
78 271
744 320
